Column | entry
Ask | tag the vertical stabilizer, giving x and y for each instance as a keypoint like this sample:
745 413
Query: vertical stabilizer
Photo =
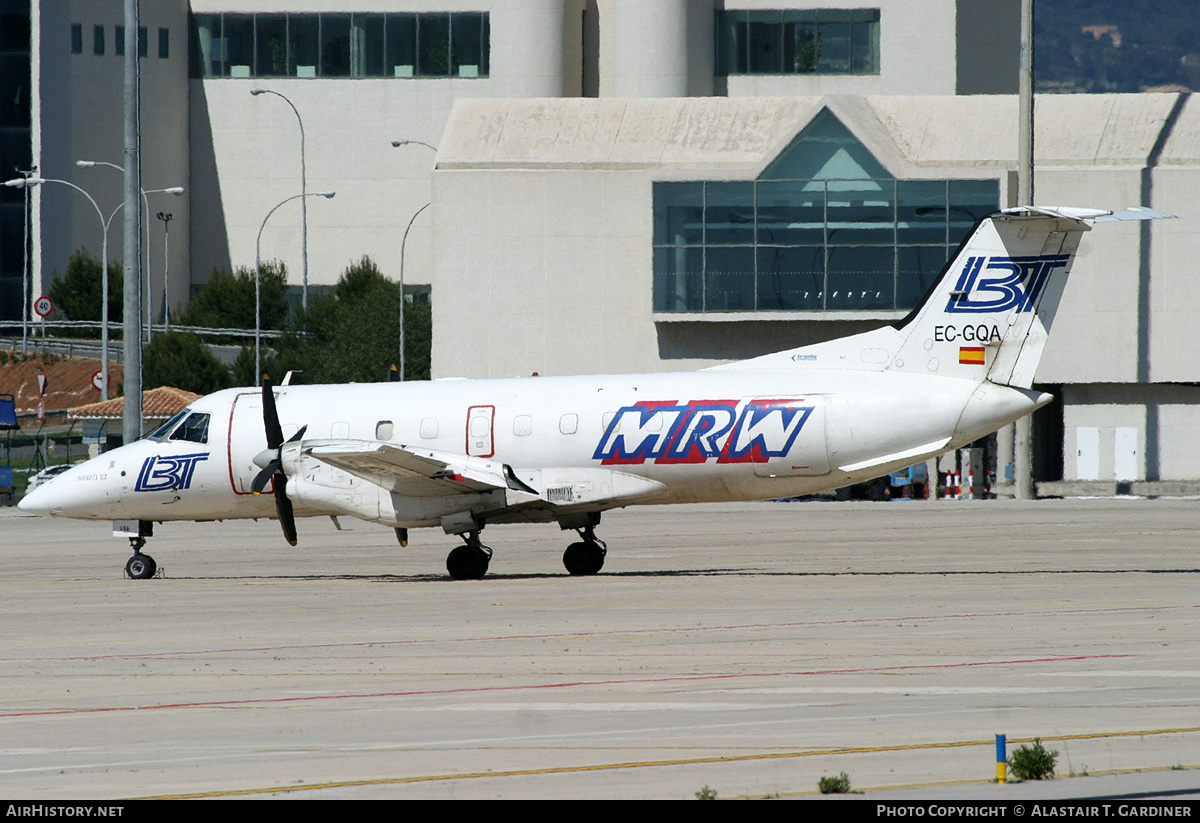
990 313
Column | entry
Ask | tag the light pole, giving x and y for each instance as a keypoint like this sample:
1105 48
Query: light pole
175 190
26 182
258 277
25 268
303 201
166 217
404 242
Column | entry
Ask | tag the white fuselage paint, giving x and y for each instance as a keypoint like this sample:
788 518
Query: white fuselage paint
698 438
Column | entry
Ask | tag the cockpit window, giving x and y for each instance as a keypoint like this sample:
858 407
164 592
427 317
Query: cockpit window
194 428
161 432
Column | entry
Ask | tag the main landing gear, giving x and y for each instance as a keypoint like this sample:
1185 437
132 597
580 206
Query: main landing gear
470 560
586 556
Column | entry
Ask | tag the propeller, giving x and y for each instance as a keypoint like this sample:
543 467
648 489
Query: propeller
270 460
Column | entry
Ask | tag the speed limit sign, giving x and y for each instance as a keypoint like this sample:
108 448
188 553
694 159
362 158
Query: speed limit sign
43 306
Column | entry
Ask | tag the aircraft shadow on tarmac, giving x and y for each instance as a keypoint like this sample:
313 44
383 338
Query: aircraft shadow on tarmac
722 572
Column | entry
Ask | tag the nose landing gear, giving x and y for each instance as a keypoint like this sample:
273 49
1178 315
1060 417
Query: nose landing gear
140 566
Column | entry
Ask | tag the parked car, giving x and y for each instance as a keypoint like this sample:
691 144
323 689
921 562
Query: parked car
45 475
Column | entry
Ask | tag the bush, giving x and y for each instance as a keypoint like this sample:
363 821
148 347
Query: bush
1033 762
835 785
706 793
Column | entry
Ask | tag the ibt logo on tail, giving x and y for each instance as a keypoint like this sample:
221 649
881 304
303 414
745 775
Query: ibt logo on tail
995 284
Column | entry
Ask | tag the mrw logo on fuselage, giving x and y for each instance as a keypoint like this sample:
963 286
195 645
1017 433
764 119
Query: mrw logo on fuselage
729 431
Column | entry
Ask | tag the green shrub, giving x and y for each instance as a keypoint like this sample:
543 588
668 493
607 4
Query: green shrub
1034 762
835 785
706 793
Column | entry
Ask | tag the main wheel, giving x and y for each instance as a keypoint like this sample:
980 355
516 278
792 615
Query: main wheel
467 563
141 567
583 557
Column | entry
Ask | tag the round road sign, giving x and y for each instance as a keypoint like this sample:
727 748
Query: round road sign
98 380
43 306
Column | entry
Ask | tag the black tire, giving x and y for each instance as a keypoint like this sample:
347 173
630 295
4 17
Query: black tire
141 567
583 558
467 563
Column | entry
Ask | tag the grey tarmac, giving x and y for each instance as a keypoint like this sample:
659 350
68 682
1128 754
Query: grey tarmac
751 649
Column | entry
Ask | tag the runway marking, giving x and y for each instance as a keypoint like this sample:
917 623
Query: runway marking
262 701
688 761
569 635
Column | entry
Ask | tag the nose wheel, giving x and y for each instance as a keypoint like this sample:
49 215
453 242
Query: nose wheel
140 566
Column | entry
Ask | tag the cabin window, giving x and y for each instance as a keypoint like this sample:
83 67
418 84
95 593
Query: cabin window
568 423
383 430
522 425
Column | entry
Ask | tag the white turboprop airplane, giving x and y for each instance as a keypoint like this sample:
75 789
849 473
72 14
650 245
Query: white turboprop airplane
462 454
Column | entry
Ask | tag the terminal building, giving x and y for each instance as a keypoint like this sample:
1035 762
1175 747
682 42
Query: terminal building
615 185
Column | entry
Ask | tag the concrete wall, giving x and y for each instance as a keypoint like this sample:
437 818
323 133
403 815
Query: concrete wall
78 116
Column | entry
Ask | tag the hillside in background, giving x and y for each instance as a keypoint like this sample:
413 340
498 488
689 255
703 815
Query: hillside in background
1097 46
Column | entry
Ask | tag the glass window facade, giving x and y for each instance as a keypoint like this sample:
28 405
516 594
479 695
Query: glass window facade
337 44
850 239
807 41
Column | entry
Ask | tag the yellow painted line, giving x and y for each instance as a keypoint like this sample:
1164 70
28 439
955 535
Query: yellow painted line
690 761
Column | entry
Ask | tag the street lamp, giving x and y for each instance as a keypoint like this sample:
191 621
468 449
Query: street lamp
175 190
398 143
303 201
27 182
166 217
403 243
258 277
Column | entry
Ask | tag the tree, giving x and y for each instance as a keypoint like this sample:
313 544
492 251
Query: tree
179 359
226 301
79 294
351 335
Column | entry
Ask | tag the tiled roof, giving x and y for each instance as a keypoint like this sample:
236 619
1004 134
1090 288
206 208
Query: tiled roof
160 403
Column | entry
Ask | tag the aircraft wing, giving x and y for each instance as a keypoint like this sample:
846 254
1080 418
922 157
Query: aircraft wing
415 472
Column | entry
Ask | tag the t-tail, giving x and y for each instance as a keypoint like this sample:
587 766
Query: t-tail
990 312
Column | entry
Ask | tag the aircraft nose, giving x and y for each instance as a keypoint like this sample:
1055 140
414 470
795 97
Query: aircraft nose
45 499
64 496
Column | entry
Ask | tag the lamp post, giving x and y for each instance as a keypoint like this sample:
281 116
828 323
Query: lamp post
302 195
175 190
166 217
404 242
26 182
25 265
258 277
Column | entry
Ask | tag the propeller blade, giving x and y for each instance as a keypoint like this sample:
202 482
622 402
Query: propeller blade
283 508
263 477
271 415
